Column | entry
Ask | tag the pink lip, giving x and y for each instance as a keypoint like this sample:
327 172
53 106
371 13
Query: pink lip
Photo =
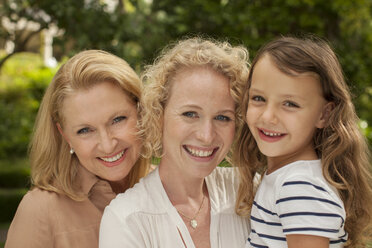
117 162
267 138
201 159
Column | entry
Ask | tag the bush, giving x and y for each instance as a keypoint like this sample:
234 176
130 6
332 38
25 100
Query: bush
15 177
10 199
22 85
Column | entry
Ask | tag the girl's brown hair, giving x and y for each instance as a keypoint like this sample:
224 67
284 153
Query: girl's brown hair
340 145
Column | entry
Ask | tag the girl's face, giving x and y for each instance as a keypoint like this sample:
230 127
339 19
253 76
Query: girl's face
100 125
199 124
283 113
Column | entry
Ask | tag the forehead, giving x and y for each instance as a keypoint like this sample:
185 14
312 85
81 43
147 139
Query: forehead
267 76
99 100
200 85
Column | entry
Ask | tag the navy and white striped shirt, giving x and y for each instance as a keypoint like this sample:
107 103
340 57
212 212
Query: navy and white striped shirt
296 199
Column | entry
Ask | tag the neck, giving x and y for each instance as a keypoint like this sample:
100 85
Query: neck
181 188
275 163
120 186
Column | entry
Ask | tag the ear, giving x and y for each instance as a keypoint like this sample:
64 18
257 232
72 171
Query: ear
324 117
61 132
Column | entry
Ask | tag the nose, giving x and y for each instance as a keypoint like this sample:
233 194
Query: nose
107 142
269 115
206 132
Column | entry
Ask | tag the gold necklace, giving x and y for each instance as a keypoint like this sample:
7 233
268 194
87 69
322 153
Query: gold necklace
193 221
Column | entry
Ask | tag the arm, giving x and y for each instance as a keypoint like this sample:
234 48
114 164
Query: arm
310 212
115 233
306 241
30 226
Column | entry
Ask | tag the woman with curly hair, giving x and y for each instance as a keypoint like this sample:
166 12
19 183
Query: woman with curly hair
190 104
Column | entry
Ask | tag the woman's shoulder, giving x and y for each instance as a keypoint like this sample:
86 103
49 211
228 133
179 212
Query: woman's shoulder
223 184
37 197
223 177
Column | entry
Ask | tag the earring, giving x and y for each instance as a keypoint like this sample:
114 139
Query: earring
72 151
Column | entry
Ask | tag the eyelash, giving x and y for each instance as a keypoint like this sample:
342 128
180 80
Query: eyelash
291 104
83 130
258 98
119 118
190 114
287 103
223 118
86 130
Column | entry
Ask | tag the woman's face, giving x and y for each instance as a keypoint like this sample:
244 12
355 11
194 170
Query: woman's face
199 122
100 125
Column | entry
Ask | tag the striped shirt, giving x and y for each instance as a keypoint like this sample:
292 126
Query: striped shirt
296 199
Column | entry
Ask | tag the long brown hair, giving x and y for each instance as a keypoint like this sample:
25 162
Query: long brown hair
340 145
52 166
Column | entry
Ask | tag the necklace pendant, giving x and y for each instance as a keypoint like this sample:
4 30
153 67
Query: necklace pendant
193 223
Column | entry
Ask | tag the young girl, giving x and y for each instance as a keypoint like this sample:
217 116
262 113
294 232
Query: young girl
302 134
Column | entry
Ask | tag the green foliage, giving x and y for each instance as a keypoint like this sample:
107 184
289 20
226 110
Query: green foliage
22 85
10 199
14 178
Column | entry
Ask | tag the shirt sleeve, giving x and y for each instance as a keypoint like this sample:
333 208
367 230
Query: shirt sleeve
308 206
30 226
115 233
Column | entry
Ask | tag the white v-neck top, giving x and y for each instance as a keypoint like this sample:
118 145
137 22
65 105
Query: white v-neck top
143 216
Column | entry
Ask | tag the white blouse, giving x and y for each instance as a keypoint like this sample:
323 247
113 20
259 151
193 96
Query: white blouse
144 216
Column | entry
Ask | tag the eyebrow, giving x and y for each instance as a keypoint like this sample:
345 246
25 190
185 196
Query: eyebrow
282 95
232 111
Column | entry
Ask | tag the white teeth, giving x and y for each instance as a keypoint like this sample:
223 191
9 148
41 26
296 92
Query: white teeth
114 158
199 153
271 134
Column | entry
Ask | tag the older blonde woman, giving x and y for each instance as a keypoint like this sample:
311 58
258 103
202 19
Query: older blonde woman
190 104
84 151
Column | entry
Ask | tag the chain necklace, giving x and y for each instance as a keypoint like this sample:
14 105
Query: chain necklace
193 221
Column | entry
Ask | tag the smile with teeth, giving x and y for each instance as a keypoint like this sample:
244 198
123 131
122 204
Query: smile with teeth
199 153
271 134
113 158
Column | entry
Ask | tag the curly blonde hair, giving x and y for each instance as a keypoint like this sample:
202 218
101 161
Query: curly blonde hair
340 145
230 61
53 168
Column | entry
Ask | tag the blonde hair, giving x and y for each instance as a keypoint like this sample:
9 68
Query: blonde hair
231 62
340 145
53 168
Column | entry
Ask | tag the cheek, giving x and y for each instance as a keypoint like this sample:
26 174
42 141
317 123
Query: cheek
251 116
84 150
228 134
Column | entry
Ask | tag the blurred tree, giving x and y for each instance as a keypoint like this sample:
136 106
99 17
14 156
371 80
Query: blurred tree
86 23
137 29
347 24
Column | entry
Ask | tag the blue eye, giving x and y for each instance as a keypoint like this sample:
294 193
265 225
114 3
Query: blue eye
83 130
190 114
222 118
119 118
291 104
257 98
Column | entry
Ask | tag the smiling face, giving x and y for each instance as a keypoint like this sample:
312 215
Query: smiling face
100 125
199 122
283 113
